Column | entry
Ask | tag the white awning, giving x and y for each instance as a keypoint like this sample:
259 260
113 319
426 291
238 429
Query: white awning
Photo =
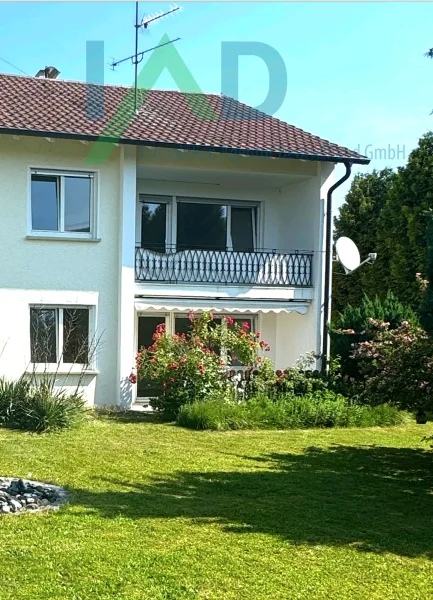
226 306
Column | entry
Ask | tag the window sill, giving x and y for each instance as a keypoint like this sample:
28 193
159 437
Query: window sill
40 369
61 238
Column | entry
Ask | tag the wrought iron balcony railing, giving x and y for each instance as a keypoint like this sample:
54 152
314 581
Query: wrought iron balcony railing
219 267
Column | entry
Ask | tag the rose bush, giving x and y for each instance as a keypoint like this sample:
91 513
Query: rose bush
196 366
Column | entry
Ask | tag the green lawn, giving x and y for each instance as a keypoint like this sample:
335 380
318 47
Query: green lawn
161 512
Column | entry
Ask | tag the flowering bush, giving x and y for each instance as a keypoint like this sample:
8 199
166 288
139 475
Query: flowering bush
352 326
397 365
195 366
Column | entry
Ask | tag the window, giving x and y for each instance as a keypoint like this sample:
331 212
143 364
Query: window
153 226
196 224
243 222
59 335
62 202
215 225
201 226
183 325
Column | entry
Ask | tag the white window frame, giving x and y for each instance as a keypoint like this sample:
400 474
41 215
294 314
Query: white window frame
72 367
171 216
60 234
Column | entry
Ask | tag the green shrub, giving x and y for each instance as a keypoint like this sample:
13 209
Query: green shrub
38 406
352 326
324 409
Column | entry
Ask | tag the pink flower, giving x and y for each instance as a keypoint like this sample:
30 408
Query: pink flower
191 315
258 334
245 325
229 320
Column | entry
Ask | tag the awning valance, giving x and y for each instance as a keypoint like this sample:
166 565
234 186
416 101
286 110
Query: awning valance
226 306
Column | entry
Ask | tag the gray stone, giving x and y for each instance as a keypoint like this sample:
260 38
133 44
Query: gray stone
5 509
15 505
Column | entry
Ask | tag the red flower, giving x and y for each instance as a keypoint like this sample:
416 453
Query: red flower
263 344
229 320
133 378
245 325
258 334
279 373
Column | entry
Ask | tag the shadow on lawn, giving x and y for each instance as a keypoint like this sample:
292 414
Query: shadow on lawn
372 498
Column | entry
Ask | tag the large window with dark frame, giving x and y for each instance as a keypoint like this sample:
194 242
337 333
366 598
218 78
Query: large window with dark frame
154 223
62 202
59 335
201 224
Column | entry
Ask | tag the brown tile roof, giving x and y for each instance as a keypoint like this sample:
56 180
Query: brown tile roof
70 109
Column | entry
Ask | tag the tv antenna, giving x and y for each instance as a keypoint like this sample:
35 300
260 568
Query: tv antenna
348 255
137 57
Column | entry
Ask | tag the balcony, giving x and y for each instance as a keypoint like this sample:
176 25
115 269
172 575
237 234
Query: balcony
219 267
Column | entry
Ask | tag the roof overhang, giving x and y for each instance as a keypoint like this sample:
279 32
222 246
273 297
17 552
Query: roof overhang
362 160
224 306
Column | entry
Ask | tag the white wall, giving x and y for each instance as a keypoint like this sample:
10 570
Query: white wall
56 272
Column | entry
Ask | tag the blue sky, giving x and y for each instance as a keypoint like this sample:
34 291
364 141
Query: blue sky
356 71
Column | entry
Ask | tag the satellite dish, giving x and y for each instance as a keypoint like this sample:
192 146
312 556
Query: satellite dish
348 254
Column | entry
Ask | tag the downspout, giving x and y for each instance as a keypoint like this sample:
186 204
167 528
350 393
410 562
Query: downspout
328 263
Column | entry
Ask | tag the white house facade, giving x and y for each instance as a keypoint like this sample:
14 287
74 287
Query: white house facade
96 253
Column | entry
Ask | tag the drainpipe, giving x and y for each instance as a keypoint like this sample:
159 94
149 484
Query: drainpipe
328 263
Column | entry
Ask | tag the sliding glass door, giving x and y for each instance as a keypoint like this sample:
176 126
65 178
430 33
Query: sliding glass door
146 328
198 224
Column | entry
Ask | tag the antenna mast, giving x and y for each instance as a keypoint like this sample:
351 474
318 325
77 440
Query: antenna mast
137 57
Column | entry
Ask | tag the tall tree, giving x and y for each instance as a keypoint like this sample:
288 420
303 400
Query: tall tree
427 304
403 223
359 219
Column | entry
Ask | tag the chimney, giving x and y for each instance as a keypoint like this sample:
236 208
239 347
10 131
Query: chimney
48 73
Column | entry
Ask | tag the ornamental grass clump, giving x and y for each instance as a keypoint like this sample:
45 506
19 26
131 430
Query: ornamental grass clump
196 366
